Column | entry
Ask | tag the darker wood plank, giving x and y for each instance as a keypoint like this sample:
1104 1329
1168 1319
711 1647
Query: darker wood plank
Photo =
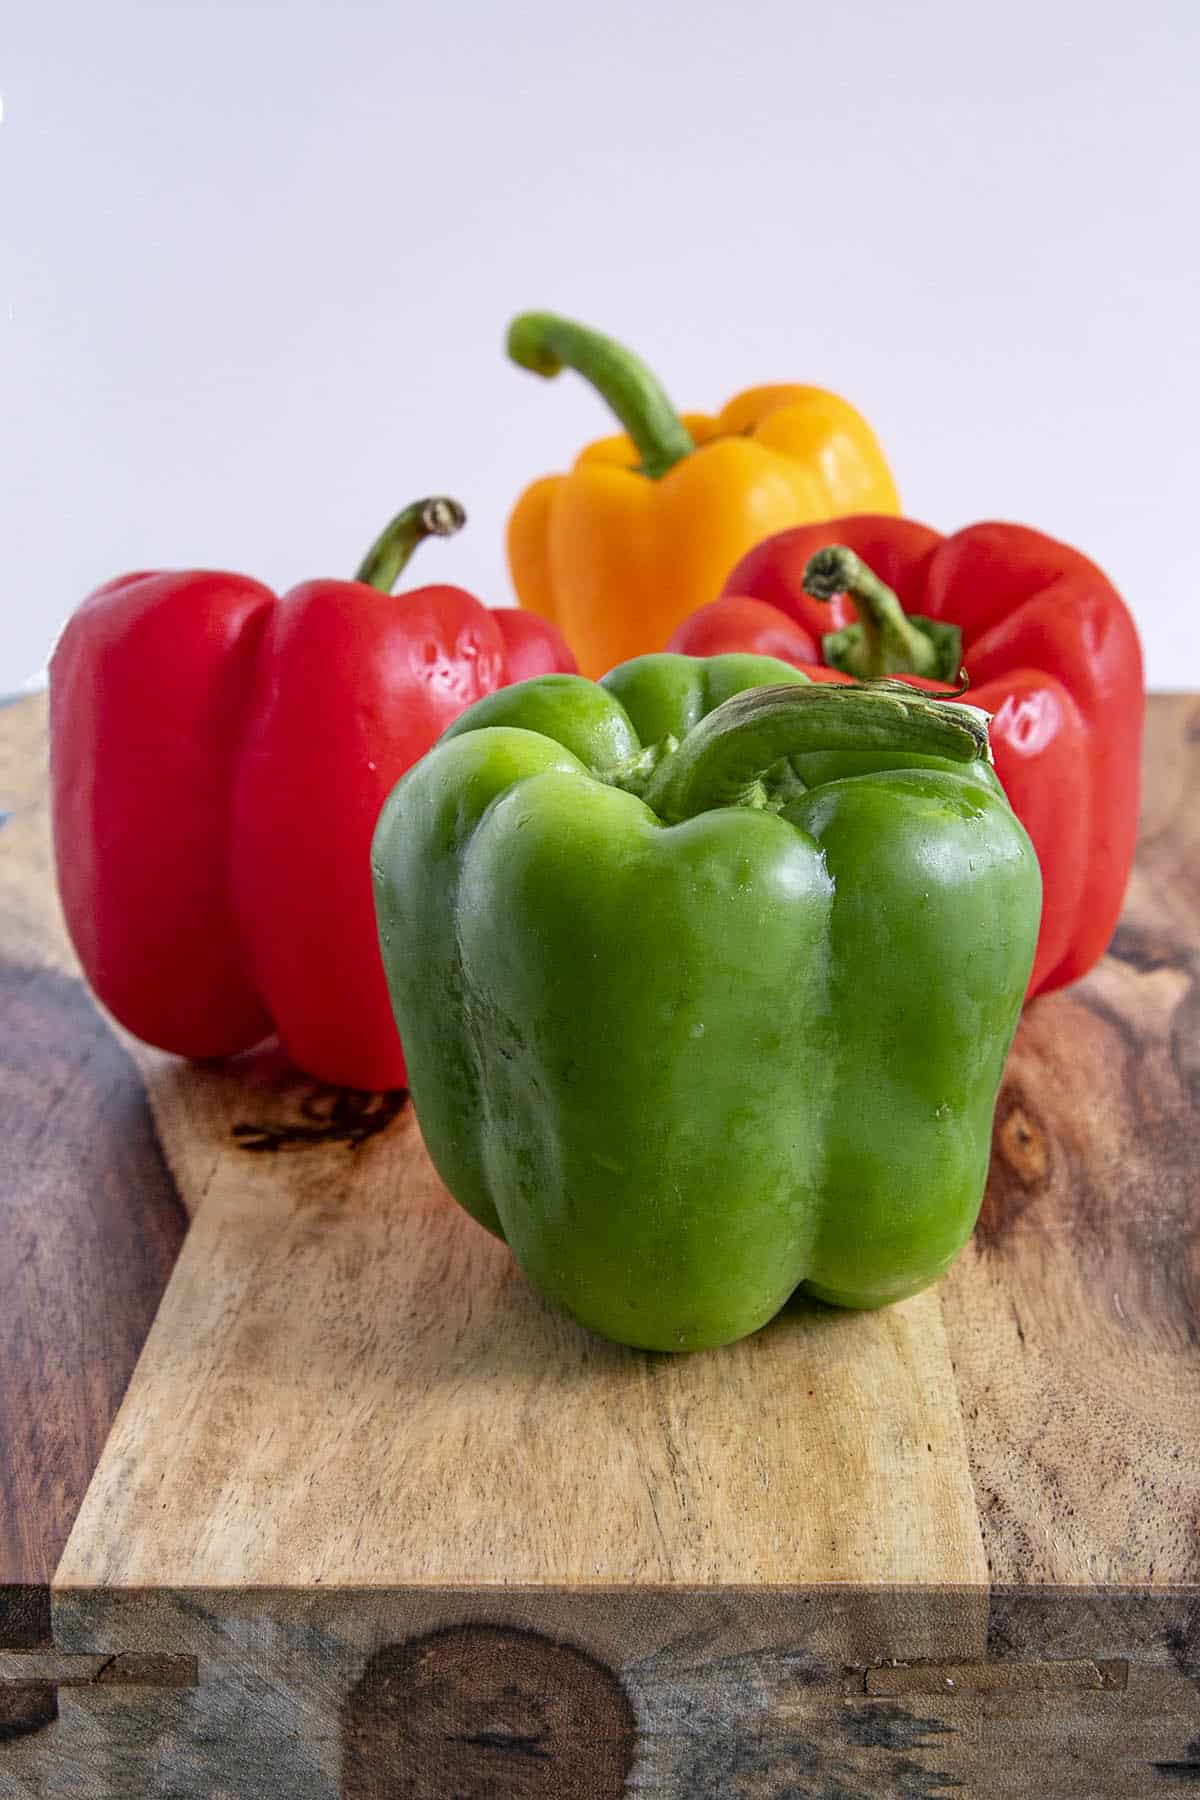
592 1694
90 1224
1074 1315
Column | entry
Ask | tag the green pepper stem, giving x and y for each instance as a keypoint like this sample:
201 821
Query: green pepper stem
545 343
724 760
885 641
388 556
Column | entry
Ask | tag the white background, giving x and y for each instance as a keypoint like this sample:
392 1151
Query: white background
257 260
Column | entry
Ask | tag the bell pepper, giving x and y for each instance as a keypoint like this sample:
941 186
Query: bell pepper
739 624
218 760
646 524
1049 648
707 975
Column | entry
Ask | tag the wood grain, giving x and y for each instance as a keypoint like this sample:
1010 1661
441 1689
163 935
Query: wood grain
591 1695
89 1219
349 1385
1074 1316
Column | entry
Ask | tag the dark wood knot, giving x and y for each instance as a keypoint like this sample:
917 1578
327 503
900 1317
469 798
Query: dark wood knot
486 1709
1021 1167
327 1116
1022 1143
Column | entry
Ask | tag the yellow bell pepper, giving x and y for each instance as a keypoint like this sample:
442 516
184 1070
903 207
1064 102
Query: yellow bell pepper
646 526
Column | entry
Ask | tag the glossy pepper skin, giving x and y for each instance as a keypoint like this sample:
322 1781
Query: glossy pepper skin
218 760
644 527
1050 650
715 974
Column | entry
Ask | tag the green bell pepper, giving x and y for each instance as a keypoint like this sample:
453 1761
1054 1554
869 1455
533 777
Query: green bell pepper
706 976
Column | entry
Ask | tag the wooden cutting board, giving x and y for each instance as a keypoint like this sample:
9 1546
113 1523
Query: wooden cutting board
372 1520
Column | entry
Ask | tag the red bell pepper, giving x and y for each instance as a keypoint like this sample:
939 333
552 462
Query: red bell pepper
1049 647
738 622
218 760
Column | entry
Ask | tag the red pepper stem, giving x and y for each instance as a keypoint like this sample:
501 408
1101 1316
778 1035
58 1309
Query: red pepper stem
544 343
885 641
386 560
728 758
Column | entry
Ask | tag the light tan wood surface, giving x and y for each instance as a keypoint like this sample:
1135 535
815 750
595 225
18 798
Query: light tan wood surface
349 1384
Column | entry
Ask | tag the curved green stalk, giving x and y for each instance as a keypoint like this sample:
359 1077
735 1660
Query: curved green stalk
724 760
545 344
385 561
885 640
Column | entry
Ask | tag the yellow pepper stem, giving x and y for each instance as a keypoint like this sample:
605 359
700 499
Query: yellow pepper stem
545 344
385 561
886 640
